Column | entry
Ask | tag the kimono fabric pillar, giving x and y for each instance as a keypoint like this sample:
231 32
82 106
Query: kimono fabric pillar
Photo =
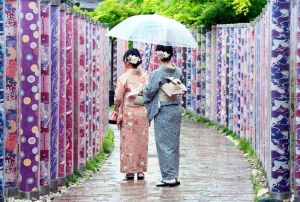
238 75
212 66
188 78
54 16
219 72
29 100
207 70
280 172
45 98
11 96
193 78
82 91
69 91
202 72
87 84
93 115
75 90
231 77
198 73
297 112
62 99
97 117
90 90
2 62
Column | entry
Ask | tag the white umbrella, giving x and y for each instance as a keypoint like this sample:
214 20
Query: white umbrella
154 29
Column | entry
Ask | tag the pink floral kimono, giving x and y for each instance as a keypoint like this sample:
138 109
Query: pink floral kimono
132 121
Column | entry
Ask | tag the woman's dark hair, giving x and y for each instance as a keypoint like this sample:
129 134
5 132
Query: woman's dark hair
168 49
135 52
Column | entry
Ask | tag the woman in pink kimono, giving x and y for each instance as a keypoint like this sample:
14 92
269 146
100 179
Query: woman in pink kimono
132 117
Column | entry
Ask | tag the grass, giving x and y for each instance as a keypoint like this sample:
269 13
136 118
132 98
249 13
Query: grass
258 177
95 164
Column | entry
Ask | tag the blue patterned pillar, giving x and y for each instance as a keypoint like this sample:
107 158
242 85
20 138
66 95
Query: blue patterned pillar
280 129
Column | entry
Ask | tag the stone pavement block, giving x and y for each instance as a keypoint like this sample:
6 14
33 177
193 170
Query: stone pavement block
211 169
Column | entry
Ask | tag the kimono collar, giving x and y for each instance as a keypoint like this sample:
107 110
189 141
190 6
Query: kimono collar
168 69
134 71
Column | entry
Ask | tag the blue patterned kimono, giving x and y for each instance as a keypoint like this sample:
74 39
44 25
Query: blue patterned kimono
167 121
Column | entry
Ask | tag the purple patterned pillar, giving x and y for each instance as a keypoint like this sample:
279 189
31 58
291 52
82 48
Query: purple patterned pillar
62 99
45 98
2 63
29 160
11 98
69 91
75 90
280 139
54 101
297 105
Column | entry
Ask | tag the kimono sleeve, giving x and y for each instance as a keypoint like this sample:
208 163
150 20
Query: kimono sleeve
119 92
152 86
181 77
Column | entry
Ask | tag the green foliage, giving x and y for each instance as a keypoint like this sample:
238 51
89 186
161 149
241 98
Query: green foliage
112 12
108 142
189 12
77 9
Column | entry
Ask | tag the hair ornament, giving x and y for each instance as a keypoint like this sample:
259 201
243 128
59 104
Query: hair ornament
133 59
162 55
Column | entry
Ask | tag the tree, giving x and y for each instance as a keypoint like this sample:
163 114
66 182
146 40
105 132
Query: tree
189 12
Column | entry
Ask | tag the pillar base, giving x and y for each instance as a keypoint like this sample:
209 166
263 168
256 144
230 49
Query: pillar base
45 190
82 168
54 186
296 199
30 195
61 181
11 192
281 196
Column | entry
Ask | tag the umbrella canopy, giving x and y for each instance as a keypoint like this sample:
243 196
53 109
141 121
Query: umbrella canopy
154 29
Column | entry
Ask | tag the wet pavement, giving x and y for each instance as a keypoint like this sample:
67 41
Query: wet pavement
211 169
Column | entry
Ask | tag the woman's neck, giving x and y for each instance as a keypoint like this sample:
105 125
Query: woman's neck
167 64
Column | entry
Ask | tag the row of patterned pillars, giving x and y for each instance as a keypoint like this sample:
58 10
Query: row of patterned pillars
244 82
53 94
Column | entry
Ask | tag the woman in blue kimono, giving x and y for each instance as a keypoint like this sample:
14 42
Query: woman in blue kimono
166 112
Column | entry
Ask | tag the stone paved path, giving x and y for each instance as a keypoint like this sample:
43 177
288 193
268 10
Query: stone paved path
211 169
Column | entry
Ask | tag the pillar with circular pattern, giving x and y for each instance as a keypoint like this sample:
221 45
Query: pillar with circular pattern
29 100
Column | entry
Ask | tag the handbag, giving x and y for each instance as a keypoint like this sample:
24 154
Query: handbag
173 87
113 117
139 100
